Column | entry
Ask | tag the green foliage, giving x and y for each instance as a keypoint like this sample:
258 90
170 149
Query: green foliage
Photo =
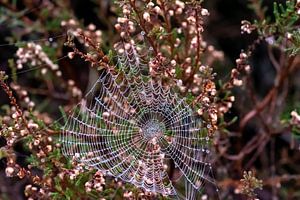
294 48
282 32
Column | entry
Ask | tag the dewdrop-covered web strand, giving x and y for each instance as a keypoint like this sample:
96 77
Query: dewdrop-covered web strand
132 128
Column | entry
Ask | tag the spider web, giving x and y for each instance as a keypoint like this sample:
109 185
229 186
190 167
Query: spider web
133 128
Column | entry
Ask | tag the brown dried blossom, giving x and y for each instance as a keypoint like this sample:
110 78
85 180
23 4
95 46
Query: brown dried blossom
249 184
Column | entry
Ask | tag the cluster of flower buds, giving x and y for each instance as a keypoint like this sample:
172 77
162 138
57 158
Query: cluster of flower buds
158 65
42 146
10 171
242 63
13 126
32 192
295 120
16 127
209 88
124 25
92 32
164 9
128 195
247 27
23 96
242 66
226 105
15 170
10 132
33 53
96 183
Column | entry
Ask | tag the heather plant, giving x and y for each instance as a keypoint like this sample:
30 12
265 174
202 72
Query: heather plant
138 109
